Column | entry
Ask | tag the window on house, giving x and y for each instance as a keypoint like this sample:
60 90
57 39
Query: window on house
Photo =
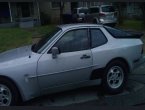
83 4
55 4
25 9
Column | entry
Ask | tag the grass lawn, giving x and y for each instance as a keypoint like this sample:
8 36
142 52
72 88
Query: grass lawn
133 24
16 37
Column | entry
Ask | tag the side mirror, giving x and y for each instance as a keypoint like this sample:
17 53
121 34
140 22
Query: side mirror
55 52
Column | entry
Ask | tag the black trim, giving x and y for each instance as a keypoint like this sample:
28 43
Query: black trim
137 60
97 74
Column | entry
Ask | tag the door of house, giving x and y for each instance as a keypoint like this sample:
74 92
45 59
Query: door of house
4 12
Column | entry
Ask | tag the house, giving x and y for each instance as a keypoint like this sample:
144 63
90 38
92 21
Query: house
52 9
133 10
15 12
12 12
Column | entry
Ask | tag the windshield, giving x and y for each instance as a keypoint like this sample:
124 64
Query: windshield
108 9
45 39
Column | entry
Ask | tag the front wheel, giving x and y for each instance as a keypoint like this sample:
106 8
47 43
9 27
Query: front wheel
115 77
9 94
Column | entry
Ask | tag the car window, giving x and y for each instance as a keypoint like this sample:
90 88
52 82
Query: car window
117 33
97 38
36 47
94 10
83 10
108 9
75 40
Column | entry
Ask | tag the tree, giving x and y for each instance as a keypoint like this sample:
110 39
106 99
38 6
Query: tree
143 12
119 6
61 11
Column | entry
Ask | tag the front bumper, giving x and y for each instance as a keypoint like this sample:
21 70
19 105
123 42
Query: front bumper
108 21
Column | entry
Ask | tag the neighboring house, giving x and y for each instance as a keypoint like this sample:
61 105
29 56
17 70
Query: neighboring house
52 9
12 12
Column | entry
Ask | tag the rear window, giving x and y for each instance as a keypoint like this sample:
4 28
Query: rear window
108 9
83 10
94 10
117 33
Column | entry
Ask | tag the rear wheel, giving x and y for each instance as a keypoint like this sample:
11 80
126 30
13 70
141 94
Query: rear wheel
9 94
115 77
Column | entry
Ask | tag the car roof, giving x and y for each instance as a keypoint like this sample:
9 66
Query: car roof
77 25
99 6
81 8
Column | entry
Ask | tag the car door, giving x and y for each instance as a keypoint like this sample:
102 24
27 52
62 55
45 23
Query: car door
72 65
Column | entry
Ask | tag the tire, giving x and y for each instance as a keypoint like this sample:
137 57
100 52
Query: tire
115 77
9 94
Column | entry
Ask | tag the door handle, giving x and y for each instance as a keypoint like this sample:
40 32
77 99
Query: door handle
85 56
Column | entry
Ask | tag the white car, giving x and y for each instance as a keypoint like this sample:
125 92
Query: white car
104 14
72 56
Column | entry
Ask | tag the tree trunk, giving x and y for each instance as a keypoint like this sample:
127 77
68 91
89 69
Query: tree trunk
143 13
61 12
119 6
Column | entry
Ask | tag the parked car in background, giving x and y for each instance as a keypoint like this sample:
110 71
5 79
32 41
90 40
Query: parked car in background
79 14
71 56
102 14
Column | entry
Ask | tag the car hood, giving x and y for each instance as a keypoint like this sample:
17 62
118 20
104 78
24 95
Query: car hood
15 53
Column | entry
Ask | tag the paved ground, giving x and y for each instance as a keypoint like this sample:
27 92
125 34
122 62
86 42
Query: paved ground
134 94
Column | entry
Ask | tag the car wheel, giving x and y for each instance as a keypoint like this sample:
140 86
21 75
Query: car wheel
115 77
9 94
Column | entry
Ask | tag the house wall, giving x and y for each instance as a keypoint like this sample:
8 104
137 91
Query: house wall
133 10
16 13
53 14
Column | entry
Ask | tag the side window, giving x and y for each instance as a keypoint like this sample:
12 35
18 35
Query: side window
75 40
97 38
94 10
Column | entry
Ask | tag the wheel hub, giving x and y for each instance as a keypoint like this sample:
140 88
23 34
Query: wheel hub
5 95
115 77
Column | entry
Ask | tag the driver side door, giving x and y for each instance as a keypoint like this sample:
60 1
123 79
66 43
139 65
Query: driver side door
73 64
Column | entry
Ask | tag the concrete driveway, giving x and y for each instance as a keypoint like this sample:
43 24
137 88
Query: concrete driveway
134 94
